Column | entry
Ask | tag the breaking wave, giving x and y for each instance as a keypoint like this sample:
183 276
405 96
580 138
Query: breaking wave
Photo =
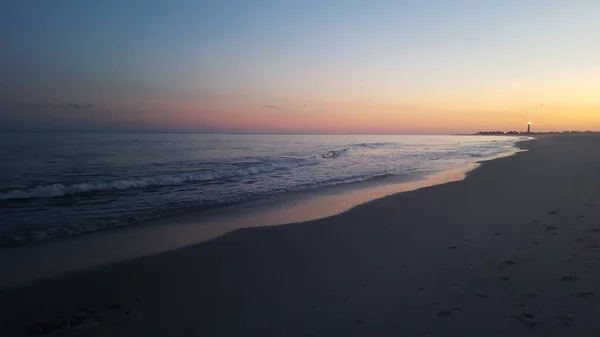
235 171
334 153
208 176
351 147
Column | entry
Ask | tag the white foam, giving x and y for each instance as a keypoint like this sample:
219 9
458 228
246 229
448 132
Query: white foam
58 190
261 166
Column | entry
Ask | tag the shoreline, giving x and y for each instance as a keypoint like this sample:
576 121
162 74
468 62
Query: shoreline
175 232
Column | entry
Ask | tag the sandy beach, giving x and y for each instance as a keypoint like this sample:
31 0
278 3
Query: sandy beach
512 250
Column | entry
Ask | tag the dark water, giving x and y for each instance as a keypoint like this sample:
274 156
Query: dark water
55 185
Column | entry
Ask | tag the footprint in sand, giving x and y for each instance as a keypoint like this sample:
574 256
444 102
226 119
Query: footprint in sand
481 294
451 247
580 239
593 246
549 228
552 212
566 319
505 278
531 294
584 294
526 319
506 263
595 230
569 278
444 313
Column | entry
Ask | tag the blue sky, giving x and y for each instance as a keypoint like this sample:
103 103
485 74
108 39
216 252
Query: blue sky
188 61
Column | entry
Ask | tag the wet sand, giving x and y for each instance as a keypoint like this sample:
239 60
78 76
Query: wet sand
511 250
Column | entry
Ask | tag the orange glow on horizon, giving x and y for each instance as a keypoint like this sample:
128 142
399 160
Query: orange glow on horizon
327 117
254 113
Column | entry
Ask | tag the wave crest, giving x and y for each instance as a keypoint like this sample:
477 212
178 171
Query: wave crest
241 170
374 145
334 153
353 147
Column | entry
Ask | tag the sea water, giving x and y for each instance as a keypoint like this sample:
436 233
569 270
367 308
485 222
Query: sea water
54 185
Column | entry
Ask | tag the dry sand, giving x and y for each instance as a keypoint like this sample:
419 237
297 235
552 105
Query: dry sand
512 250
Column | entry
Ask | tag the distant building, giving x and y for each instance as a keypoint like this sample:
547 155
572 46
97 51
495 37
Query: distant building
529 127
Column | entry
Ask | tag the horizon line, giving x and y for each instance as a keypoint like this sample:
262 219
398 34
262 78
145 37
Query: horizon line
278 133
220 132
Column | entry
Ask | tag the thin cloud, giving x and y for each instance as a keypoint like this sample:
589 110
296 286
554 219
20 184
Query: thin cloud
271 106
76 106
38 104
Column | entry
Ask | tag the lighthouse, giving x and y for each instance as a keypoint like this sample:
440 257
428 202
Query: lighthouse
529 127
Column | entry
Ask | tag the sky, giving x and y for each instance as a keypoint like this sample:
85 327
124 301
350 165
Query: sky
299 66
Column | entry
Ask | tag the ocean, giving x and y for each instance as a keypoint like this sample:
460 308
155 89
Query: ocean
56 185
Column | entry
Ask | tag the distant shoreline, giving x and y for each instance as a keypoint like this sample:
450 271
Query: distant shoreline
518 133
